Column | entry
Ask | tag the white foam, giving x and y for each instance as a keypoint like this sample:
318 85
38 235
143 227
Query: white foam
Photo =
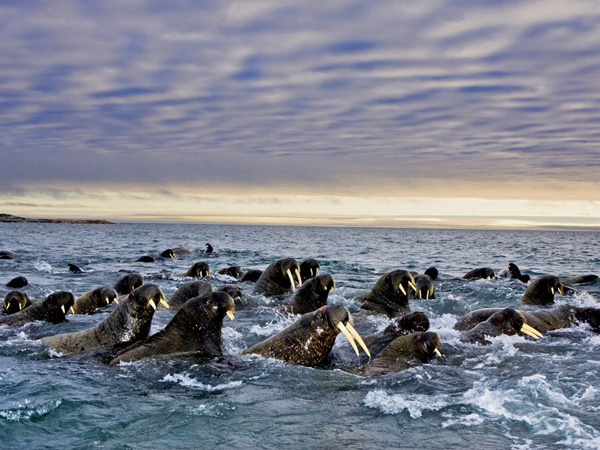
211 410
470 420
233 342
415 404
25 412
184 379
273 327
43 266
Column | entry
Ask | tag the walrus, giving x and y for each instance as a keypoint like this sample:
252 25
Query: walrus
14 302
129 322
513 272
189 290
400 326
482 272
541 291
199 269
405 352
543 320
17 283
312 294
128 283
195 329
74 269
233 290
233 271
432 273
506 321
309 340
51 309
309 268
252 275
209 248
180 251
425 287
7 254
145 259
579 279
390 294
278 277
94 299
168 253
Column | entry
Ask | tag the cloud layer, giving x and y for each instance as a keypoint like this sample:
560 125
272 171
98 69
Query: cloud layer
343 97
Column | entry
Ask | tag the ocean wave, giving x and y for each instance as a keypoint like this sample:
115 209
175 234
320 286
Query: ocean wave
184 379
27 411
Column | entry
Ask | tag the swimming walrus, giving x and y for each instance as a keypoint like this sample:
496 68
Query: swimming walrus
579 279
541 291
543 320
94 299
17 282
309 340
252 275
405 352
278 277
480 273
390 294
232 271
14 302
312 294
209 248
51 309
425 287
7 254
145 259
199 269
74 269
189 290
128 283
233 290
506 321
309 268
195 329
179 251
513 272
168 253
129 322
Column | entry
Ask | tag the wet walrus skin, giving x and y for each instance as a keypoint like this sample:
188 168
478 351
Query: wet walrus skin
390 294
189 290
425 287
405 352
278 277
128 323
506 321
541 291
543 320
51 309
95 299
312 294
15 301
579 279
195 329
128 283
480 273
309 268
309 340
252 275
199 269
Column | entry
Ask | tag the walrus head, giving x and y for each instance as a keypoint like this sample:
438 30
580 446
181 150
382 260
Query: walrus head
199 269
168 253
309 340
432 272
515 273
309 268
128 283
57 305
510 322
482 272
410 323
141 304
107 295
590 316
17 283
15 301
279 277
541 290
233 271
425 287
233 290
189 290
312 294
390 293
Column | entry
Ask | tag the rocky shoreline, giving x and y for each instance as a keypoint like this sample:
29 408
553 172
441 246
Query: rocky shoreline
9 218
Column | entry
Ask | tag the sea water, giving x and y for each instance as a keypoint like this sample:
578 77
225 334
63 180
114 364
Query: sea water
514 393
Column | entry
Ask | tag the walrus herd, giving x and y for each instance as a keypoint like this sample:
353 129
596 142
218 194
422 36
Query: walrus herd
300 288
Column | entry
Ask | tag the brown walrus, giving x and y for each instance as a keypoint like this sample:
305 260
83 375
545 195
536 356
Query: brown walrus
278 277
390 294
506 321
95 299
312 294
541 291
189 290
52 309
15 301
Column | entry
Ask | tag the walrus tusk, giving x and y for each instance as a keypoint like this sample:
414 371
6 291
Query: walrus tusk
420 295
72 310
412 285
311 272
165 304
437 353
298 276
151 303
316 271
552 290
354 333
116 300
427 295
343 329
230 314
20 307
530 331
289 274
560 289
62 307
333 287
402 288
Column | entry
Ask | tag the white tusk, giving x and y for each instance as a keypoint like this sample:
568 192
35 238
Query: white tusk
311 272
437 352
412 285
62 307
151 303
552 290
107 300
427 295
289 274
165 304
317 271
343 329
358 339
116 300
402 289
299 278
72 310
230 314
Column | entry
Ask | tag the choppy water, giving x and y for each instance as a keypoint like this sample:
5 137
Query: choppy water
513 394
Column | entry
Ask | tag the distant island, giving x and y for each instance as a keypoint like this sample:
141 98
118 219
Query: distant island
16 219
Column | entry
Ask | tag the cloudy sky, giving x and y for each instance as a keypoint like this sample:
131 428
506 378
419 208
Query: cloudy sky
397 113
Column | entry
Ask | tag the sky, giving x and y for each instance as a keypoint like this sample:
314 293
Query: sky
433 113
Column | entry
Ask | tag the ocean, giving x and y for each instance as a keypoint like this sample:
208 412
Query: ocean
515 393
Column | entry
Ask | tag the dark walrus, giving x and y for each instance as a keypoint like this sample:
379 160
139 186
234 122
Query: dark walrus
51 309
128 323
312 294
15 301
189 290
252 275
128 283
390 294
513 272
199 269
507 321
480 273
541 291
278 277
195 329
17 282
309 268
97 298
